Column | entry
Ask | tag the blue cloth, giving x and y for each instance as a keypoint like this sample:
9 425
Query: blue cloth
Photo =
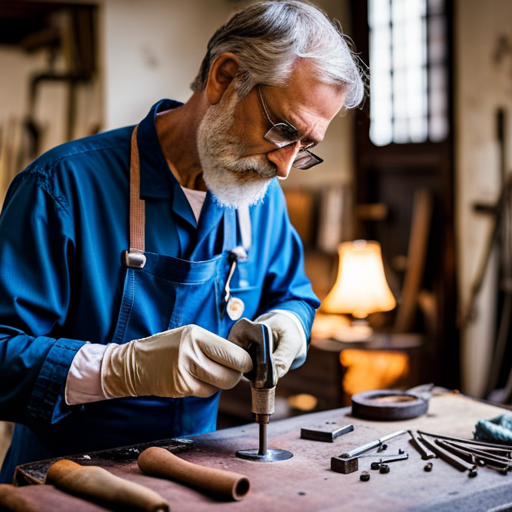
495 430
63 229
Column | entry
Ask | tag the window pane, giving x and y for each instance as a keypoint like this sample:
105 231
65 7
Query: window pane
378 13
437 38
435 6
380 50
401 131
438 128
407 93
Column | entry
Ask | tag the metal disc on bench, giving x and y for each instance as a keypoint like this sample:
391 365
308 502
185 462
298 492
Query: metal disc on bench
388 405
271 455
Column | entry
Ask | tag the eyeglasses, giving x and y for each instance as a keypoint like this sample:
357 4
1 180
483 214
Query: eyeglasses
283 134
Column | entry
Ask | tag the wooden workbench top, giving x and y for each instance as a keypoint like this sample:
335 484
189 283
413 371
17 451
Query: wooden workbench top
306 482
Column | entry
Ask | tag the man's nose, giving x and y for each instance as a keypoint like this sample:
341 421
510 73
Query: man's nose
283 158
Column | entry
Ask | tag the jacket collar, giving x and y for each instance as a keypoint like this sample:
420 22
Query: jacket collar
158 182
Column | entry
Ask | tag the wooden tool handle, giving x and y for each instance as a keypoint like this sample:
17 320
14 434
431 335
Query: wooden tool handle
97 483
12 498
160 462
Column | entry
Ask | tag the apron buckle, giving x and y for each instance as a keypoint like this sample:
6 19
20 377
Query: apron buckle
134 258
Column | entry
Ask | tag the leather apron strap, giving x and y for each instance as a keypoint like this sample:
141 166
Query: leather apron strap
134 257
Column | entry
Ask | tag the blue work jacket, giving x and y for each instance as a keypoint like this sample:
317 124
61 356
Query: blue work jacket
63 229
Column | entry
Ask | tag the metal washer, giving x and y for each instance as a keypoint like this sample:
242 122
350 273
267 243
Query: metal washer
271 455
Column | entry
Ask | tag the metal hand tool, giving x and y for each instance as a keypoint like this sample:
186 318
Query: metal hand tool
386 460
454 460
424 451
476 456
348 462
467 441
394 458
377 455
503 452
263 392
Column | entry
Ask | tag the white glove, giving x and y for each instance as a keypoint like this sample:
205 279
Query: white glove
290 345
187 361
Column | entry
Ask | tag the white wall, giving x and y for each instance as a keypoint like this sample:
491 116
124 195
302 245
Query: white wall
482 85
152 49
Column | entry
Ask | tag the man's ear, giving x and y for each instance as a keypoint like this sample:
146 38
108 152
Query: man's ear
222 73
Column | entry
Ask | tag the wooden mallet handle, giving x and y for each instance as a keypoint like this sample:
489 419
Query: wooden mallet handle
12 498
159 462
97 483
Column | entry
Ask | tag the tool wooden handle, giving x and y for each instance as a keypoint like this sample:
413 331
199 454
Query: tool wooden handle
97 483
160 462
12 498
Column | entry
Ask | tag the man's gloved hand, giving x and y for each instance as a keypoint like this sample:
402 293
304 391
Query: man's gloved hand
290 346
187 361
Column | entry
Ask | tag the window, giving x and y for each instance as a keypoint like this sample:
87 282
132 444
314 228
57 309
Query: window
408 51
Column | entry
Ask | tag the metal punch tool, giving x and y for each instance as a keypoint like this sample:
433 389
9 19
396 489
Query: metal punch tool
348 462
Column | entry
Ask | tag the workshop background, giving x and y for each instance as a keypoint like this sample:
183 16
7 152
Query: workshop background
432 196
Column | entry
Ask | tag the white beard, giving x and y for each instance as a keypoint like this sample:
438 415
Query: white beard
234 180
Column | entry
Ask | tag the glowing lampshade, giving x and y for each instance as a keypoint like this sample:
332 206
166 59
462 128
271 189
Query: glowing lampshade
361 287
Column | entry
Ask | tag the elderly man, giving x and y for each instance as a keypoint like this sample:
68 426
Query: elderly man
126 258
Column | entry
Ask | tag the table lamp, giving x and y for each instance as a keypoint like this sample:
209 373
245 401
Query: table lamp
360 288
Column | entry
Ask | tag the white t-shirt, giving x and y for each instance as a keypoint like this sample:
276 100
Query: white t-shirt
196 199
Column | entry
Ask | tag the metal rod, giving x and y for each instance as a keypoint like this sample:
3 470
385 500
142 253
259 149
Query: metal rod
263 439
370 446
426 454
468 441
394 458
452 459
474 457
379 455
477 447
463 454
477 454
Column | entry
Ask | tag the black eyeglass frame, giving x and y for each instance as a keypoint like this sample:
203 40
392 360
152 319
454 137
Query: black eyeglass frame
284 134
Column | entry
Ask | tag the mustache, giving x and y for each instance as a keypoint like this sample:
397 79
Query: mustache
229 149
254 167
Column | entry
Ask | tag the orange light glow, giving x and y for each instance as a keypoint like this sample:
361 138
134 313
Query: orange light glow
366 370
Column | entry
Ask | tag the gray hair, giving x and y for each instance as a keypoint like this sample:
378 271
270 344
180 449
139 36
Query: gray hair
270 36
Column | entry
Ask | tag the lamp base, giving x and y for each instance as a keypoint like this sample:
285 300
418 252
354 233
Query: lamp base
358 330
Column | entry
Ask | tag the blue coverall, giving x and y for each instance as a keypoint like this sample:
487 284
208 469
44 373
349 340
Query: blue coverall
63 283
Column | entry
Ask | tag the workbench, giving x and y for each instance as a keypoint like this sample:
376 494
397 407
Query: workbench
306 482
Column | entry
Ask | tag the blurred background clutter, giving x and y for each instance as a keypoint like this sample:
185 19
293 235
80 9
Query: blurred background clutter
423 169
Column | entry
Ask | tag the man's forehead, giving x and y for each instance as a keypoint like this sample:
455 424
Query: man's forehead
305 100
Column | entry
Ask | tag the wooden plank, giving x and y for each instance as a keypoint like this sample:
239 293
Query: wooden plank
417 255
